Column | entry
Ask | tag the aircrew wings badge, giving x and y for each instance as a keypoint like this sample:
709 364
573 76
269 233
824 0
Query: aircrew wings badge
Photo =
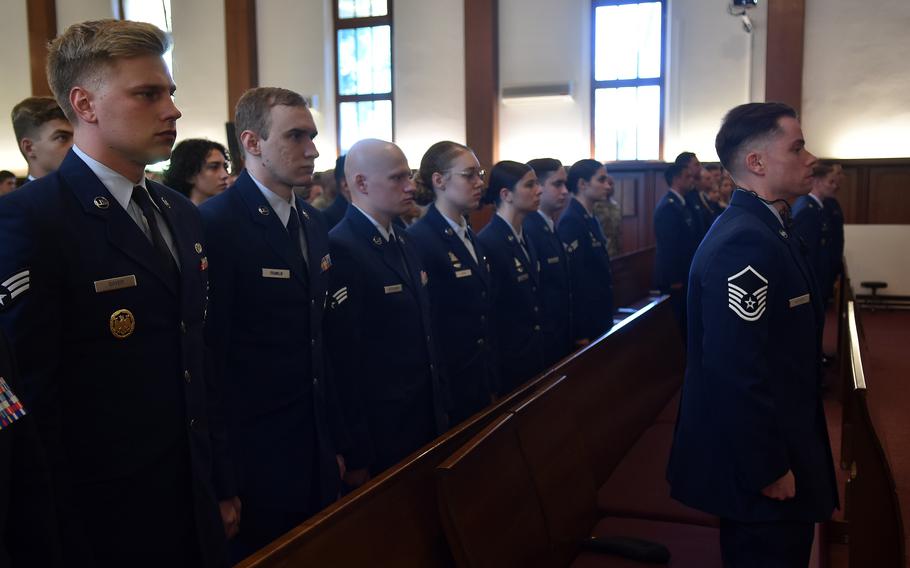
10 407
12 287
747 291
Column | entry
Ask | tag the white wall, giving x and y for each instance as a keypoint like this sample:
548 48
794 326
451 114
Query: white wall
856 78
879 252
713 66
17 82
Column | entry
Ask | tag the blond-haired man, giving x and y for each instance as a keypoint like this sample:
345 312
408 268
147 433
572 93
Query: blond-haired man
102 291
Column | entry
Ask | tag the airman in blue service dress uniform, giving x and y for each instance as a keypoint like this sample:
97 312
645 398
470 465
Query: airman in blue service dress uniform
28 526
751 443
378 328
514 269
106 316
676 237
814 225
459 283
555 290
589 262
269 278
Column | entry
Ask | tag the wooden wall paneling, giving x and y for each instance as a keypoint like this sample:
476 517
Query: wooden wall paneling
242 55
889 195
42 28
786 31
481 40
848 194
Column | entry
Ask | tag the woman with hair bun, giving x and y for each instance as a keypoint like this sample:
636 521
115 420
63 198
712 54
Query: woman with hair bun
515 272
589 262
459 282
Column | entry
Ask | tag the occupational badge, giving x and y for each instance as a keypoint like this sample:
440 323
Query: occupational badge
198 248
747 292
122 324
101 202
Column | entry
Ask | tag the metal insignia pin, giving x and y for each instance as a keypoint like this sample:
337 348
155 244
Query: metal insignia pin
510 238
263 210
122 323
198 247
101 202
448 231
376 240
166 204
305 215
783 233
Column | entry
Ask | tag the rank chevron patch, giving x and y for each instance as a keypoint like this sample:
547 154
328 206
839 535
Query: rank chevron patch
12 287
747 291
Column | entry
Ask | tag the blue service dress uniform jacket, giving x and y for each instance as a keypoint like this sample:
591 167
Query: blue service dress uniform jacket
810 224
835 217
264 331
28 525
555 290
378 333
676 236
589 268
516 305
113 370
334 213
751 405
700 214
461 306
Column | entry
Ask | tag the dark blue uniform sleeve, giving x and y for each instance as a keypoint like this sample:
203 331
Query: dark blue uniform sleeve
217 337
735 359
344 340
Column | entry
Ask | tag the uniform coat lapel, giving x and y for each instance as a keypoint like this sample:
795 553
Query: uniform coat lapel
122 231
385 249
274 233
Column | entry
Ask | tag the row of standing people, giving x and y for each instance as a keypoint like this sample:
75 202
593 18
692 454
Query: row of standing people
198 375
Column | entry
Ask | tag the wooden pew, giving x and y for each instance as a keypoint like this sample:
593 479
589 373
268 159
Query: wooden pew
396 513
875 529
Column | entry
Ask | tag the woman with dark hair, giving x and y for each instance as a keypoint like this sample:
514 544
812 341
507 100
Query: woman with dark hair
540 228
589 262
515 274
198 170
459 282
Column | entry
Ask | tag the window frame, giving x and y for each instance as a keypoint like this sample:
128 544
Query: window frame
362 22
618 83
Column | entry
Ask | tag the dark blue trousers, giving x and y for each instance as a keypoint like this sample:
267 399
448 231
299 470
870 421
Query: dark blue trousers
778 544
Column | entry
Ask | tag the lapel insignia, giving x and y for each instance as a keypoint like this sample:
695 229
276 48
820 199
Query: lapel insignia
12 287
305 214
326 262
165 201
263 210
448 231
783 233
198 248
377 240
203 264
400 238
518 265
423 277
101 202
510 238
122 324
10 407
747 291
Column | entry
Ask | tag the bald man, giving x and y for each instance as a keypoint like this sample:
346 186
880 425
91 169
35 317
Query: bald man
377 321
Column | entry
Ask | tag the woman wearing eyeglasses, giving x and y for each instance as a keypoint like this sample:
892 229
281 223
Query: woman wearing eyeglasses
458 278
515 272
198 169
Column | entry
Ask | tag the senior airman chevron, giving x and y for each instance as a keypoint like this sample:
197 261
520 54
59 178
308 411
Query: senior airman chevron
10 407
12 287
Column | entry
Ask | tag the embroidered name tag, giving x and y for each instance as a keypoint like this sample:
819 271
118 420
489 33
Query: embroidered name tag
523 277
393 289
553 260
281 273
463 273
799 300
111 284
